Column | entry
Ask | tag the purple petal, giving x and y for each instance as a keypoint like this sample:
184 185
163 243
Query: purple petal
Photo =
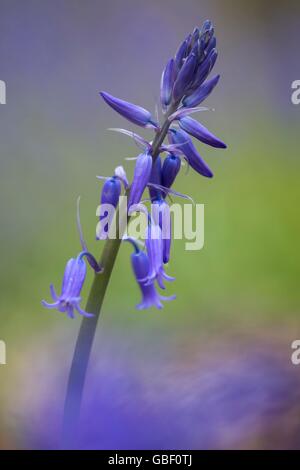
184 77
201 93
47 305
170 170
132 112
69 269
181 53
53 293
82 312
74 278
141 177
211 45
155 178
140 265
194 159
111 191
200 132
204 69
150 298
167 82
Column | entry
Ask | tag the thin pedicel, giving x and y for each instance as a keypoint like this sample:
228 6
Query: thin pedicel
184 86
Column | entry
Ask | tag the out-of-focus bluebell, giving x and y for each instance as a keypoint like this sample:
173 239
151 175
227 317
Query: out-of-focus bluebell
73 280
154 392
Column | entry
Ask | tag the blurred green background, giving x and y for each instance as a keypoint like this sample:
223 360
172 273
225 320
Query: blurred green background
243 287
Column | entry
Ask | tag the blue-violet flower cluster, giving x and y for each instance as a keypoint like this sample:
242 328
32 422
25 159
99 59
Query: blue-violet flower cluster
185 84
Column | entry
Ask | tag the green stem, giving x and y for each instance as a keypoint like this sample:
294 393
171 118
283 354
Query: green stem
88 326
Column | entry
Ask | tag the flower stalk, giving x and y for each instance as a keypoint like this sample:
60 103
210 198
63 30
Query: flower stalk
88 326
183 88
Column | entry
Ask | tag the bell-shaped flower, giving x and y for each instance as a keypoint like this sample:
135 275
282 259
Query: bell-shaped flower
73 280
109 200
141 177
141 268
155 249
155 179
170 169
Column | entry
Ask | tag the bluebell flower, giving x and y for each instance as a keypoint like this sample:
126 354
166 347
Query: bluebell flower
111 191
141 178
201 93
132 112
73 280
185 84
167 83
200 132
141 267
170 169
110 195
178 136
156 179
155 250
182 52
184 77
